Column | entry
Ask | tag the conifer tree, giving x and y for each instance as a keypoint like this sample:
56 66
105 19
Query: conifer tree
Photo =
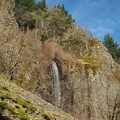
41 5
27 5
112 46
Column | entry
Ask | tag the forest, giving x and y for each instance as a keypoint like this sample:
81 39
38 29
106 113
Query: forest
32 15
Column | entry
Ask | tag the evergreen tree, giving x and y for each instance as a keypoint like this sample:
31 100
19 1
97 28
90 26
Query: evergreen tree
58 6
118 53
26 5
41 5
23 12
56 24
111 46
30 14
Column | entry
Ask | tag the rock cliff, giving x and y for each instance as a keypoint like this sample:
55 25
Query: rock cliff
97 87
89 78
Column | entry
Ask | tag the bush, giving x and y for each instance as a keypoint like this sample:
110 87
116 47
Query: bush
26 20
43 38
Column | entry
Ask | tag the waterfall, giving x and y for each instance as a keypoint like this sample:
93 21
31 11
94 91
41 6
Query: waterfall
56 84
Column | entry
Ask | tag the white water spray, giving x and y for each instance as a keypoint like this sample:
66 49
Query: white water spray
56 84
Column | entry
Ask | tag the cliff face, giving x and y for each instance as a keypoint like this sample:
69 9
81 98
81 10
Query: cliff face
97 88
19 51
89 78
94 82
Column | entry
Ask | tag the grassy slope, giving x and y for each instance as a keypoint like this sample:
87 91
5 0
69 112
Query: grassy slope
18 104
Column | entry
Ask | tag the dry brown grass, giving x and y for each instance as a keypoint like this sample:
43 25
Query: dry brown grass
53 50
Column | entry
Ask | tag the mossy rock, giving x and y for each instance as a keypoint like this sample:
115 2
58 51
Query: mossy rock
14 104
18 106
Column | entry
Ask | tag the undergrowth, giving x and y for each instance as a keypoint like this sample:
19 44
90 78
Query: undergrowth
89 62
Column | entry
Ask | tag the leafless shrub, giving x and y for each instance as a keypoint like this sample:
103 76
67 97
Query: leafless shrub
53 50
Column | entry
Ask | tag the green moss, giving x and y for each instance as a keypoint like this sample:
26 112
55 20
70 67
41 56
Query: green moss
90 62
116 75
4 105
25 103
10 82
24 116
4 93
3 88
3 77
18 106
94 71
46 115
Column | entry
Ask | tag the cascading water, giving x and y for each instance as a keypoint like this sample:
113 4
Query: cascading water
56 84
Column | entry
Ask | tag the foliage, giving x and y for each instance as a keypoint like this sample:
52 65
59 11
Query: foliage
49 21
62 8
26 20
112 46
26 5
88 60
40 5
23 9
56 24
30 5
74 41
43 38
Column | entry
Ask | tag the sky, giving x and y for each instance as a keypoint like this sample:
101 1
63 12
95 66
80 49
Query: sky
98 16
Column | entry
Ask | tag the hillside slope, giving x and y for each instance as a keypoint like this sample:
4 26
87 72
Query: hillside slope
18 104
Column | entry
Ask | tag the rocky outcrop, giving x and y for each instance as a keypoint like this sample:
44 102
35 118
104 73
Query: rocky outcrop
94 84
17 48
18 104
96 96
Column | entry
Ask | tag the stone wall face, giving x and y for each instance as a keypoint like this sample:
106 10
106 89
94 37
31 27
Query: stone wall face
97 91
96 97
